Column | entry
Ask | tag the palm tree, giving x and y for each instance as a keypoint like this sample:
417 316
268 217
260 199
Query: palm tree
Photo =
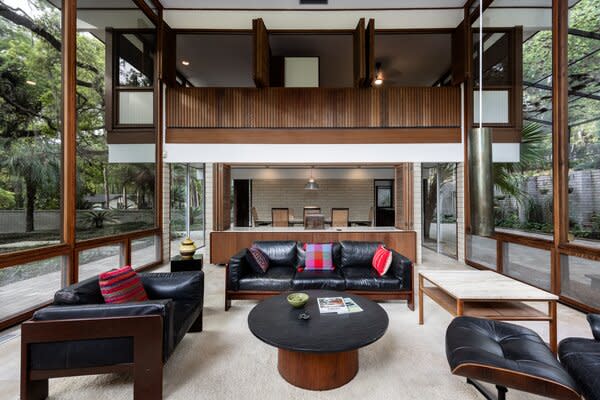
35 161
532 156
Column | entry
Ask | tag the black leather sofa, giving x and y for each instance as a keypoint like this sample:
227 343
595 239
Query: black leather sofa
81 335
353 273
512 356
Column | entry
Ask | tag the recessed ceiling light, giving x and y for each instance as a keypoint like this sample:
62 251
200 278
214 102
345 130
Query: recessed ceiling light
185 62
378 81
32 83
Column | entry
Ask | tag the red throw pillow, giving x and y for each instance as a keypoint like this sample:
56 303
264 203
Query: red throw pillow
382 260
122 285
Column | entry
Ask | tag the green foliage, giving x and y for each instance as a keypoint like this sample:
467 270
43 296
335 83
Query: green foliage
97 218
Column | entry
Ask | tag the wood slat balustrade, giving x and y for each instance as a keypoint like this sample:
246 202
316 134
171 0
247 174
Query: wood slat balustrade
293 108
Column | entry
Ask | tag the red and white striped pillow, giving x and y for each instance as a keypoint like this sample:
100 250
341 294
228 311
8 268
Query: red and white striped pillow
122 285
382 260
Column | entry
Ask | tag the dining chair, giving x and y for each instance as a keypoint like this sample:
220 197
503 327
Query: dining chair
340 217
255 220
280 217
310 210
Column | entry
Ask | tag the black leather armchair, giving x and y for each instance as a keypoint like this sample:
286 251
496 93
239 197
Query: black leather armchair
353 273
581 358
80 335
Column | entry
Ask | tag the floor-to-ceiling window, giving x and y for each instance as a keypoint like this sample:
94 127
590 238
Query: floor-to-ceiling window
30 150
439 208
116 167
187 193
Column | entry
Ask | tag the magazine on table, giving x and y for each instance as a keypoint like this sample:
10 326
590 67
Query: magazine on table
332 305
338 305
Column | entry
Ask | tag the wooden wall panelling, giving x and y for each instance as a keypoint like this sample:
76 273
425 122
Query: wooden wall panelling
370 53
425 107
404 196
221 197
359 54
261 53
223 245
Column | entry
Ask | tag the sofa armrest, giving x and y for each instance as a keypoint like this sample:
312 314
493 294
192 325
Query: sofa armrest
188 286
401 268
594 320
235 269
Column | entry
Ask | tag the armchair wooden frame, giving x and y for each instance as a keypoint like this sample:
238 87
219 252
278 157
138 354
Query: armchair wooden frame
146 367
280 217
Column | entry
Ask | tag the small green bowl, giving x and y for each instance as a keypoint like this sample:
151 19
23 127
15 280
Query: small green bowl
297 300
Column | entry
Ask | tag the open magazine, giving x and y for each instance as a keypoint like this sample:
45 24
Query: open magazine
337 305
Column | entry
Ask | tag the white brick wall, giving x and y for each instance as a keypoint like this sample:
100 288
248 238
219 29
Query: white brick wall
355 194
417 201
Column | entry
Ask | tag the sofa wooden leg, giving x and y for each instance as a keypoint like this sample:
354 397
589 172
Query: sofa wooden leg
197 325
227 303
34 390
148 383
411 303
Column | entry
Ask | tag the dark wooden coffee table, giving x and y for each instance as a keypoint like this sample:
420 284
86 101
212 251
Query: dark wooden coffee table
320 353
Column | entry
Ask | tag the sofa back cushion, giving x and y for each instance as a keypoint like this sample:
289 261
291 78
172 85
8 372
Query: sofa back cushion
358 254
281 253
84 292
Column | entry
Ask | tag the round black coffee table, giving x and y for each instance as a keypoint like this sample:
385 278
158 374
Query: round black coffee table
320 353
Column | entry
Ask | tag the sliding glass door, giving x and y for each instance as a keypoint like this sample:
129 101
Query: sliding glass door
439 208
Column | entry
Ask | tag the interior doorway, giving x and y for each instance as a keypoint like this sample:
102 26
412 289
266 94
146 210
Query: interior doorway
439 208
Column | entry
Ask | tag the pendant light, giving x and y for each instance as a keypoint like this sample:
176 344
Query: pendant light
311 184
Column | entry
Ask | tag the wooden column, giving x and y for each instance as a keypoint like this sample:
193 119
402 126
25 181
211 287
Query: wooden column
560 132
221 197
404 196
69 134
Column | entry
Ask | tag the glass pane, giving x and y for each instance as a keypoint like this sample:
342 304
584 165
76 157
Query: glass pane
444 222
584 123
580 280
115 186
100 259
528 264
30 138
144 251
482 251
136 107
523 188
136 59
28 285
178 205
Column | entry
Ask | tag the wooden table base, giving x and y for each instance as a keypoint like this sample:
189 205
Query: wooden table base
317 371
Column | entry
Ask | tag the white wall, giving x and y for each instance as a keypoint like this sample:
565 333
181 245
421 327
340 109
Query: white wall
318 173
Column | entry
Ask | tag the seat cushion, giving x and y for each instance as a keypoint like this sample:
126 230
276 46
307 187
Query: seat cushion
358 254
276 278
359 278
281 253
581 358
480 346
329 280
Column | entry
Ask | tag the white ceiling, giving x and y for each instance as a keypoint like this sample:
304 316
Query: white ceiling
295 4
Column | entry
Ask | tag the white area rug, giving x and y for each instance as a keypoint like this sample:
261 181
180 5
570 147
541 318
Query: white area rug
226 361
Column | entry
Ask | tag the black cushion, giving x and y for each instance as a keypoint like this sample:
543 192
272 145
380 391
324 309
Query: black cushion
328 280
503 345
84 292
281 253
581 358
358 254
276 279
359 278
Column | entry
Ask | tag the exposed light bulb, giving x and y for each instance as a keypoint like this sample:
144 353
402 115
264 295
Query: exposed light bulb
185 62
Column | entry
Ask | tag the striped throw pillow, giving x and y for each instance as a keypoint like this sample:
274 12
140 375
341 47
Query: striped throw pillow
382 260
122 285
318 257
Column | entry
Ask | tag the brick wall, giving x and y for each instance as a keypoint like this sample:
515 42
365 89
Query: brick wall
356 194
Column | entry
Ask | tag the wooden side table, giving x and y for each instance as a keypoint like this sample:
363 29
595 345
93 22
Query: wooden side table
179 264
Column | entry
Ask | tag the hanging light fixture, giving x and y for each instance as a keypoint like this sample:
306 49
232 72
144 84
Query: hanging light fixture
311 184
378 74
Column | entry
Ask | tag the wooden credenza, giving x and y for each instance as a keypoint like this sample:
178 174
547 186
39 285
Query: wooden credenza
225 244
